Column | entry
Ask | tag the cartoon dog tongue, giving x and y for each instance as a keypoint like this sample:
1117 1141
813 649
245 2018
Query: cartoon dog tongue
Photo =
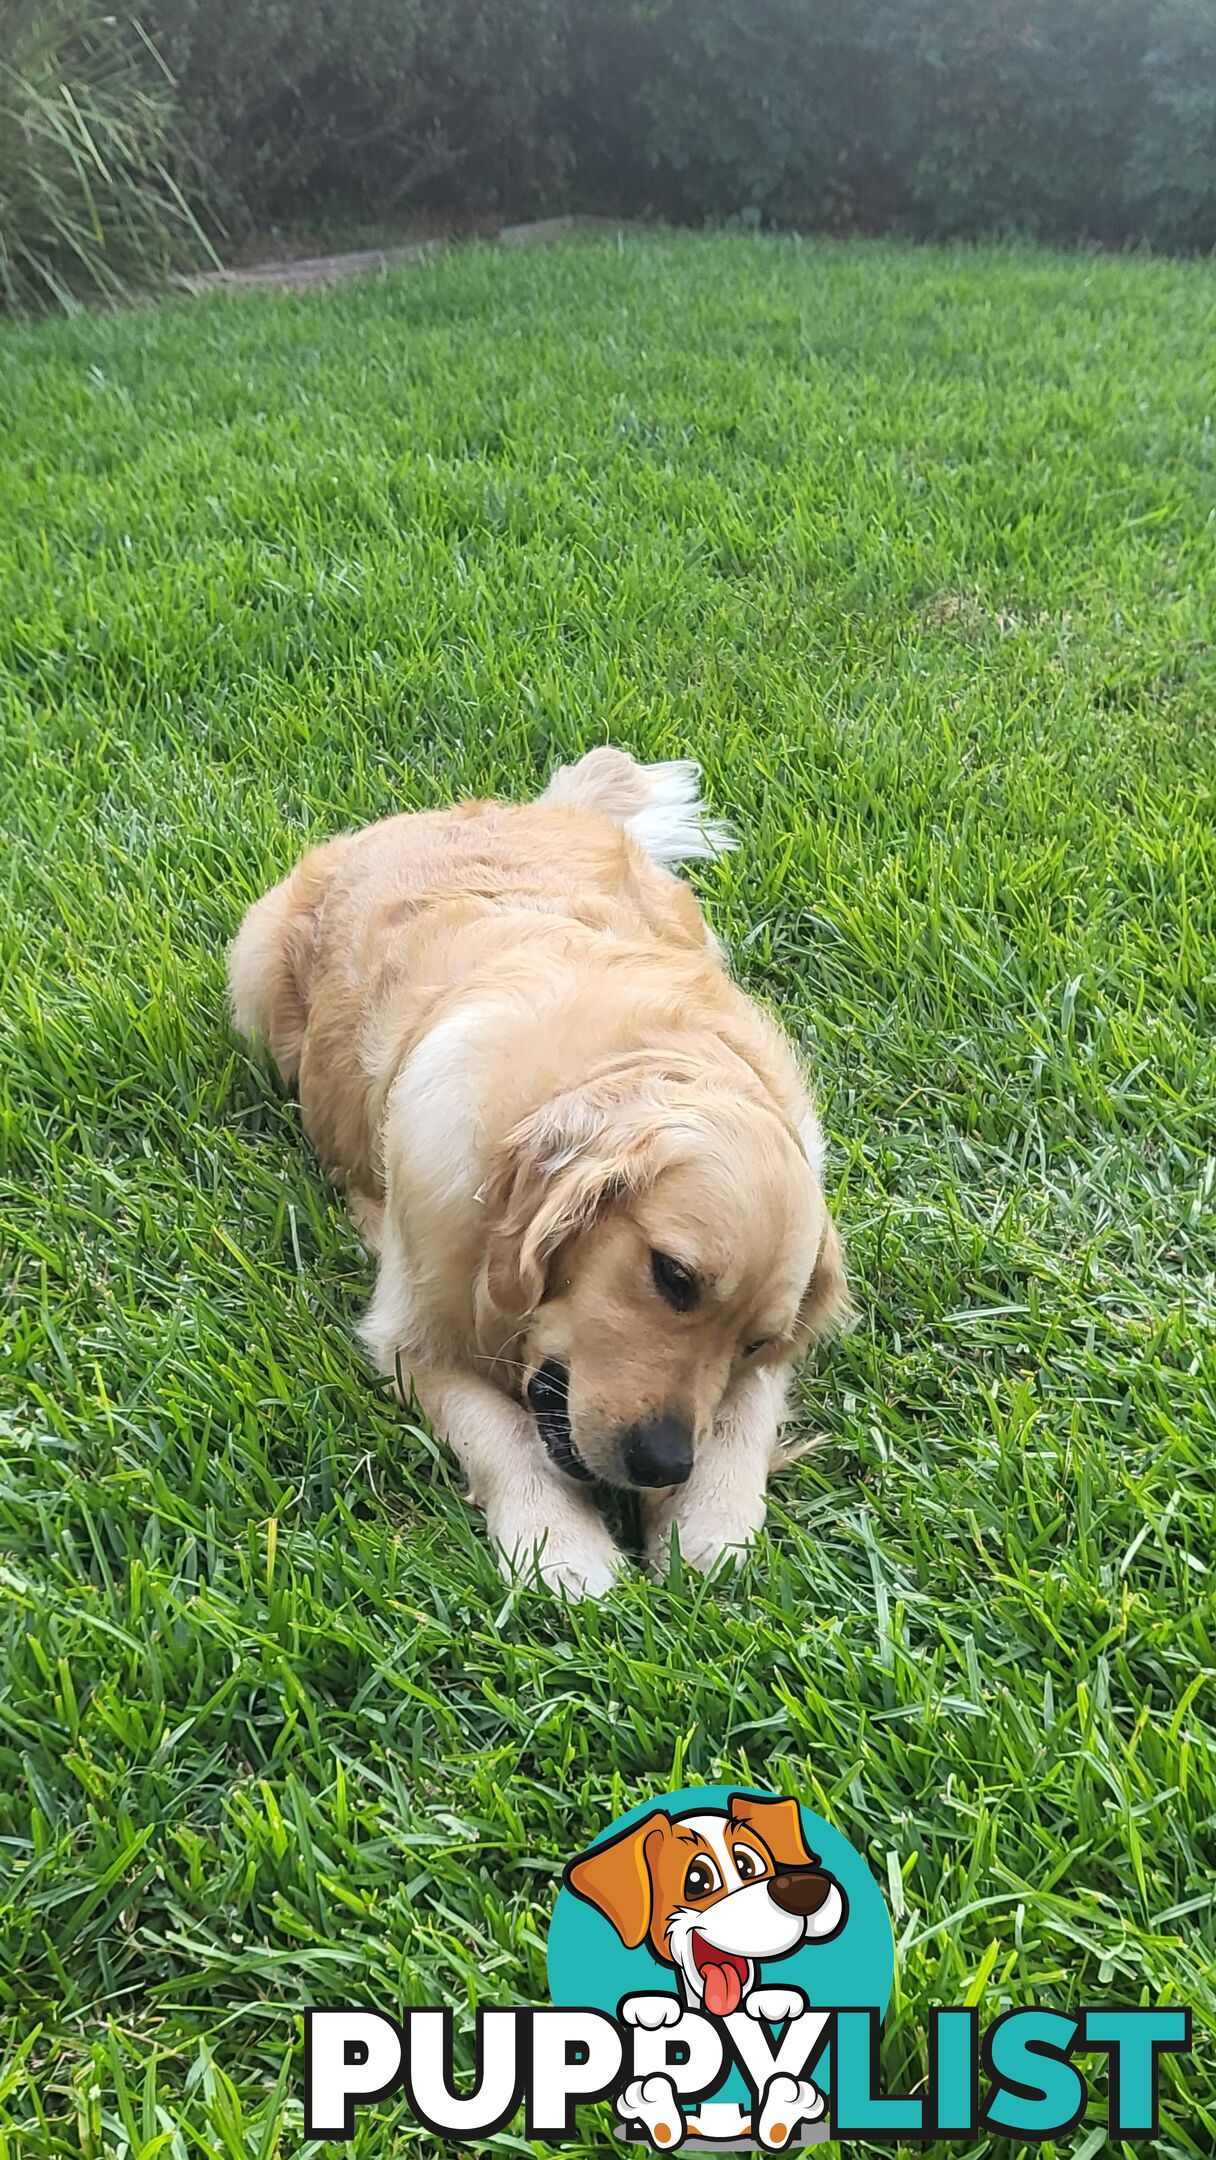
723 1984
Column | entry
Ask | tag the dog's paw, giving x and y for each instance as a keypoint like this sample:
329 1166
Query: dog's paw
652 2102
578 1574
787 2102
570 1550
708 1540
651 2011
367 1216
776 2005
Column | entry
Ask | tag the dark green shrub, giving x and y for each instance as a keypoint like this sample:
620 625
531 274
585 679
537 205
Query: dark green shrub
90 200
1169 181
1024 110
772 112
379 103
1067 119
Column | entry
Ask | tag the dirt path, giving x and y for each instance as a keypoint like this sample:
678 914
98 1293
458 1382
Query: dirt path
302 273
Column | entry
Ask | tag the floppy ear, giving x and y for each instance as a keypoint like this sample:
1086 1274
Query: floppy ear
779 1823
827 1306
554 1172
513 1194
616 1877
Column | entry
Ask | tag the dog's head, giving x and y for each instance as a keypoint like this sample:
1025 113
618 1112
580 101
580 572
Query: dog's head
714 1894
648 1242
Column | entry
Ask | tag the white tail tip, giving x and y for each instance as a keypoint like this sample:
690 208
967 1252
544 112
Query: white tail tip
659 806
674 826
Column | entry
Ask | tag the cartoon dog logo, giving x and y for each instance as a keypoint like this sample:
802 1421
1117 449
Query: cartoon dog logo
715 1895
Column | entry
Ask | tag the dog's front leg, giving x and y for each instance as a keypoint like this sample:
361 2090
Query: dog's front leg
540 1523
720 1509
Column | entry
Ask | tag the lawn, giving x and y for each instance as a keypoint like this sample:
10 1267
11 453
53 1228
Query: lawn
916 551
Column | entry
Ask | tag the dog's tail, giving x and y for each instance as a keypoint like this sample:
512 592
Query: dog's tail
270 959
659 806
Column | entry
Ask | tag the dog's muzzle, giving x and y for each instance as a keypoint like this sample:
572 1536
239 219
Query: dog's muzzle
549 1396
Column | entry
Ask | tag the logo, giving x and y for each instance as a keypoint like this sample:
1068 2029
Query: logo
721 1928
720 1964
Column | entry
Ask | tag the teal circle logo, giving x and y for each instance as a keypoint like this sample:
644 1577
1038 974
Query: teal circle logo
744 1907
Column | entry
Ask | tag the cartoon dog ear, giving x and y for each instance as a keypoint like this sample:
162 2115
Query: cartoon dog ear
616 1877
779 1823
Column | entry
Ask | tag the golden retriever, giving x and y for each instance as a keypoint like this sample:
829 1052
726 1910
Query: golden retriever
586 1160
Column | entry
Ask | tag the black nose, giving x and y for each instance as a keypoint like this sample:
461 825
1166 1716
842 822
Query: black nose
800 1890
658 1454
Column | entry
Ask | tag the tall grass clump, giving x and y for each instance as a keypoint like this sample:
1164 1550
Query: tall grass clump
91 205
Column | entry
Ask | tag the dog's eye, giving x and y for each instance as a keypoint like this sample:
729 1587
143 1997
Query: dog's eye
702 1877
747 1862
674 1281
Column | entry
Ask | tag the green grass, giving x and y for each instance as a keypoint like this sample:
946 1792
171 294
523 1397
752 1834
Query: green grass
916 551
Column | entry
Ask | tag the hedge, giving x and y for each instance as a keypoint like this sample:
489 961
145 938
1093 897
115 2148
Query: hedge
1069 120
375 105
1065 119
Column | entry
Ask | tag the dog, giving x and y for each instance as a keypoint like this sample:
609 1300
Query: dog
587 1163
714 1894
